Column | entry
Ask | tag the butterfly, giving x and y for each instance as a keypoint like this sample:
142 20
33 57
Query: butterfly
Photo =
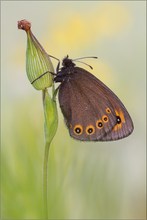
92 112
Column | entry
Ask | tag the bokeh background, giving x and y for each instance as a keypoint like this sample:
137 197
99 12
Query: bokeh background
86 180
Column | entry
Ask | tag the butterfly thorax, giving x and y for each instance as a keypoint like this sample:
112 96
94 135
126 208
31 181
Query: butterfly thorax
68 68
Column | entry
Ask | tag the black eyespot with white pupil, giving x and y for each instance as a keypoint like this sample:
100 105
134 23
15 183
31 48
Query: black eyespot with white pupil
100 124
78 130
118 119
90 130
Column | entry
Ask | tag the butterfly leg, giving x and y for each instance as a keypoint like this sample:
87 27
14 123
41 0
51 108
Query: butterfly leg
58 65
54 74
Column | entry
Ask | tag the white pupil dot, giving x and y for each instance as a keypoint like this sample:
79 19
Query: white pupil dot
78 130
90 130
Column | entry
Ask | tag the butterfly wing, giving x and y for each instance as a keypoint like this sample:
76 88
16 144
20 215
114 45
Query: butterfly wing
91 110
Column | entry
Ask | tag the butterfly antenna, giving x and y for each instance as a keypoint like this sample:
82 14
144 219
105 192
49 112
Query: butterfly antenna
77 60
80 58
84 63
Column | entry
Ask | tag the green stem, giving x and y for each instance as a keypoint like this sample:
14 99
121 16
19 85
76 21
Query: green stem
50 127
45 178
45 166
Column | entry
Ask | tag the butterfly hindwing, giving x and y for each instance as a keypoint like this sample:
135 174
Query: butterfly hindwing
91 110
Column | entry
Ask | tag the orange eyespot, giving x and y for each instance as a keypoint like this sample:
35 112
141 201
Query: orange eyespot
120 116
108 110
78 129
119 120
99 124
105 118
90 129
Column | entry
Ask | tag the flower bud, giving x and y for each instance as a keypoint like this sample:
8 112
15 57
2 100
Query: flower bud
37 60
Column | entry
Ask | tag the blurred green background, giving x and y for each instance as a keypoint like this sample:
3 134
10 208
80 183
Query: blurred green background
86 180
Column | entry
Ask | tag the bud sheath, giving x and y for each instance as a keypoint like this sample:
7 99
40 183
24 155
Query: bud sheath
37 60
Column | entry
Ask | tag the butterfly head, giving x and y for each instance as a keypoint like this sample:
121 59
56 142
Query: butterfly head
67 62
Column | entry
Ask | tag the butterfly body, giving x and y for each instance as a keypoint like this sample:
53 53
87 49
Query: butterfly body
91 110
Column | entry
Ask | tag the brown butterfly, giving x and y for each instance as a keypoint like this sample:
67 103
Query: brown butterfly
91 110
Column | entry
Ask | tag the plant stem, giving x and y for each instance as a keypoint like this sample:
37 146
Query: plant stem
45 178
50 127
45 164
